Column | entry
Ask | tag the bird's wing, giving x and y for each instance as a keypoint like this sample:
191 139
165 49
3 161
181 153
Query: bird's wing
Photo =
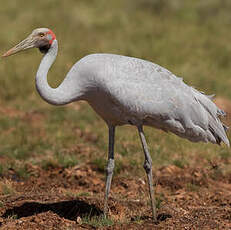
145 88
153 94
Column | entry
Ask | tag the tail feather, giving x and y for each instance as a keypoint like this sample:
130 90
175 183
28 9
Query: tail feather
225 127
216 128
218 131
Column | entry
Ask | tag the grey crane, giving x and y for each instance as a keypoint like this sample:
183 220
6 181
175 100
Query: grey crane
126 90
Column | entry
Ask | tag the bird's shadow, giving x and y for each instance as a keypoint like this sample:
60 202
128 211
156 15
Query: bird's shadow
66 209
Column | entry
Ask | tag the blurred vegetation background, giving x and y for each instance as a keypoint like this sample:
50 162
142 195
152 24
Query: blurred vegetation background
190 38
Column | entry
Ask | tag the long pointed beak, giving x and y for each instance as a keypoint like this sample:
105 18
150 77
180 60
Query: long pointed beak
27 43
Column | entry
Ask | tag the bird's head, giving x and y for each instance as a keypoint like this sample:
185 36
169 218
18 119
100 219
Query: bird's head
41 38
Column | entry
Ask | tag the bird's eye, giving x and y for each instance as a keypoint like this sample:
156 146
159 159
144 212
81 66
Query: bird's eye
41 35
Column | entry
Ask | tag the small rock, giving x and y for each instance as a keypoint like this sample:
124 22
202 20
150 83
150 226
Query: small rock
79 220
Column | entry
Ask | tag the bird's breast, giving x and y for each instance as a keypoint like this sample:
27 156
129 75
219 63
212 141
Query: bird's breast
111 111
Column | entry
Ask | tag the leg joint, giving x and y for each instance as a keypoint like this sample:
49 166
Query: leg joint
148 166
110 166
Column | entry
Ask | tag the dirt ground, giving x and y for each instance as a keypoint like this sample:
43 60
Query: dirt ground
189 198
192 197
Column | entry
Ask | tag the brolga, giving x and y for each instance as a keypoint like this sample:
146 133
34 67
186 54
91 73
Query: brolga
125 90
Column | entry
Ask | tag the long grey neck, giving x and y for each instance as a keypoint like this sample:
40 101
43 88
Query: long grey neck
56 96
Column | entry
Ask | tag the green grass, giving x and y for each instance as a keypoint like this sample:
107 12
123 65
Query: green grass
59 160
192 187
82 194
6 188
78 194
159 199
22 172
179 163
97 221
100 164
190 38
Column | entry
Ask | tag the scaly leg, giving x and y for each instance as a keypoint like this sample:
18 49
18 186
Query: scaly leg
110 167
148 169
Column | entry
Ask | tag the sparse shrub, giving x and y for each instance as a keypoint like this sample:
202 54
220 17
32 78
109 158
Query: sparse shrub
49 164
66 160
97 221
179 163
6 188
100 163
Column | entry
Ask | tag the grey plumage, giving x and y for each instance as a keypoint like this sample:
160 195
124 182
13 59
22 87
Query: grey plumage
138 92
125 90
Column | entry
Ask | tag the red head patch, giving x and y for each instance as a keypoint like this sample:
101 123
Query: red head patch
51 36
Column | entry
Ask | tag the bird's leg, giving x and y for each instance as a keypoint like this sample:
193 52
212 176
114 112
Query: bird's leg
148 169
110 167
